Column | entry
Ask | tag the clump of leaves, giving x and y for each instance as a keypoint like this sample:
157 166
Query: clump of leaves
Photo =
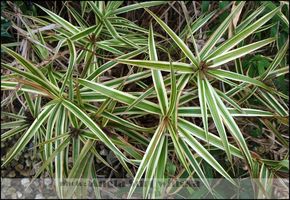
70 62
5 24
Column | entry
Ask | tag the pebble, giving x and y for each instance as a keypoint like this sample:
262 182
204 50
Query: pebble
90 189
19 194
104 152
52 197
14 196
11 174
47 181
28 190
28 163
36 183
39 196
10 191
111 157
221 40
3 190
19 167
25 173
26 155
16 159
5 182
25 182
3 173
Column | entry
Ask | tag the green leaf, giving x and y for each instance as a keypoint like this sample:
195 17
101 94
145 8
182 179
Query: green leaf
108 65
173 93
121 96
23 141
219 32
156 75
217 117
71 64
184 48
26 64
229 44
238 77
223 58
213 140
47 86
59 20
202 152
155 141
202 101
136 6
196 25
152 167
86 32
159 65
93 127
234 129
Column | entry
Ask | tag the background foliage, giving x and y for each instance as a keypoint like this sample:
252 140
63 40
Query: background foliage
168 89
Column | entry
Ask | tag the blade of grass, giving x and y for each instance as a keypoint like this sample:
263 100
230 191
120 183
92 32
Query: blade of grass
156 74
23 141
184 48
221 59
233 41
219 32
93 127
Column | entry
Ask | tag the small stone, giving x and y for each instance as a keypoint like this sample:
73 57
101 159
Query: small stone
70 160
28 190
47 181
11 174
10 191
111 157
30 145
39 196
5 182
36 183
221 40
25 173
52 197
90 189
28 163
19 167
104 152
3 173
17 158
25 182
14 196
26 155
19 194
